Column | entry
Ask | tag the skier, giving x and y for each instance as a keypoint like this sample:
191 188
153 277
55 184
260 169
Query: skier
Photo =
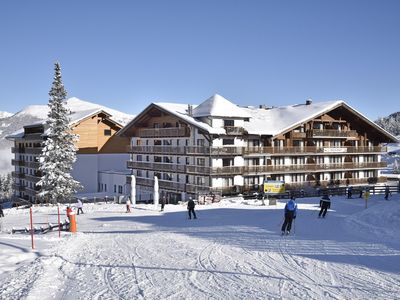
163 200
79 205
324 203
190 207
387 192
361 193
349 192
128 205
1 211
290 214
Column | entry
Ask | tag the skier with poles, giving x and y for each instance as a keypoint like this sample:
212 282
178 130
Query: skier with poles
290 214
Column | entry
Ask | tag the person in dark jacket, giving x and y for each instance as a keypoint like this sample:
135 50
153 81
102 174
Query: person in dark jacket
387 192
190 207
324 203
290 214
349 192
1 211
163 201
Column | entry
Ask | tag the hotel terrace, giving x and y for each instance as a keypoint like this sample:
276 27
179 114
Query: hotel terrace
219 147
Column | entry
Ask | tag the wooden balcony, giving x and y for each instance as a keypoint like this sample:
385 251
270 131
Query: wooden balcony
229 151
32 164
166 150
312 150
190 169
32 178
332 133
305 168
164 132
17 174
166 167
18 187
298 135
233 130
15 162
195 150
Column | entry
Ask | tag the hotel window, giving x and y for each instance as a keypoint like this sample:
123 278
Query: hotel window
228 141
229 123
139 173
107 132
120 189
115 188
227 162
201 161
200 142
139 157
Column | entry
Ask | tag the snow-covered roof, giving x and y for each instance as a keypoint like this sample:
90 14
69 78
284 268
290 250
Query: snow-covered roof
218 106
273 121
80 110
180 110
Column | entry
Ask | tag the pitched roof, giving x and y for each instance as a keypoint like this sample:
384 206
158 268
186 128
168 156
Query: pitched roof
218 106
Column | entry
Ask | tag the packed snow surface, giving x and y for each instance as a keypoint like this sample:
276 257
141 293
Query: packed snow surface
234 250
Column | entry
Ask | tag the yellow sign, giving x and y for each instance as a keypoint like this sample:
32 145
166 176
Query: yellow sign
274 187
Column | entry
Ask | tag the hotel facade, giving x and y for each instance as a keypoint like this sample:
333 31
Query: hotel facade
219 147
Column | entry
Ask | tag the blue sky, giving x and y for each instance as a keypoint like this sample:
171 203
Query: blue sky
126 54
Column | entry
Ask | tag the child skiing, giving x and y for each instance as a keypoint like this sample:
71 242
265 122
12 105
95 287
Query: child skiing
290 214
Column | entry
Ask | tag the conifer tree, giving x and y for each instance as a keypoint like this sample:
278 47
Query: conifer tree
59 152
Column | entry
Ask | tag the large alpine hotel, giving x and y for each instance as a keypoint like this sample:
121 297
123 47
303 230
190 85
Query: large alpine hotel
218 146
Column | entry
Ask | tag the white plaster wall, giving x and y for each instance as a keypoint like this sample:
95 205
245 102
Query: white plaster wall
216 182
112 161
238 161
238 180
85 170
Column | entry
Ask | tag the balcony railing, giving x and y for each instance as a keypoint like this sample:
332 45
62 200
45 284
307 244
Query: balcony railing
332 133
233 130
32 178
18 187
164 132
167 167
313 150
232 151
28 150
15 162
17 174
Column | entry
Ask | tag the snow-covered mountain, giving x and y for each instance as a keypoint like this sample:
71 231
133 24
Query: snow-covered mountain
11 123
5 114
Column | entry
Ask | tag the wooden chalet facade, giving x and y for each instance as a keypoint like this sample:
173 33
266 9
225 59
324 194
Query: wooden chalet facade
220 147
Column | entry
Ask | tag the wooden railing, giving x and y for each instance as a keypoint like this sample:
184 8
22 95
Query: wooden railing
164 132
16 162
18 187
254 169
332 133
17 174
32 178
233 130
232 151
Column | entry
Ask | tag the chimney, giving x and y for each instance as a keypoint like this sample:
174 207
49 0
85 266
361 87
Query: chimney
190 110
308 101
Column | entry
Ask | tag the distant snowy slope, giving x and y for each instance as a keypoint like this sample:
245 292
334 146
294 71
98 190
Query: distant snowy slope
4 114
38 113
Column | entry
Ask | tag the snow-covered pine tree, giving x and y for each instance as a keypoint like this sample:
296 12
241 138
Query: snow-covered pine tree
59 152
